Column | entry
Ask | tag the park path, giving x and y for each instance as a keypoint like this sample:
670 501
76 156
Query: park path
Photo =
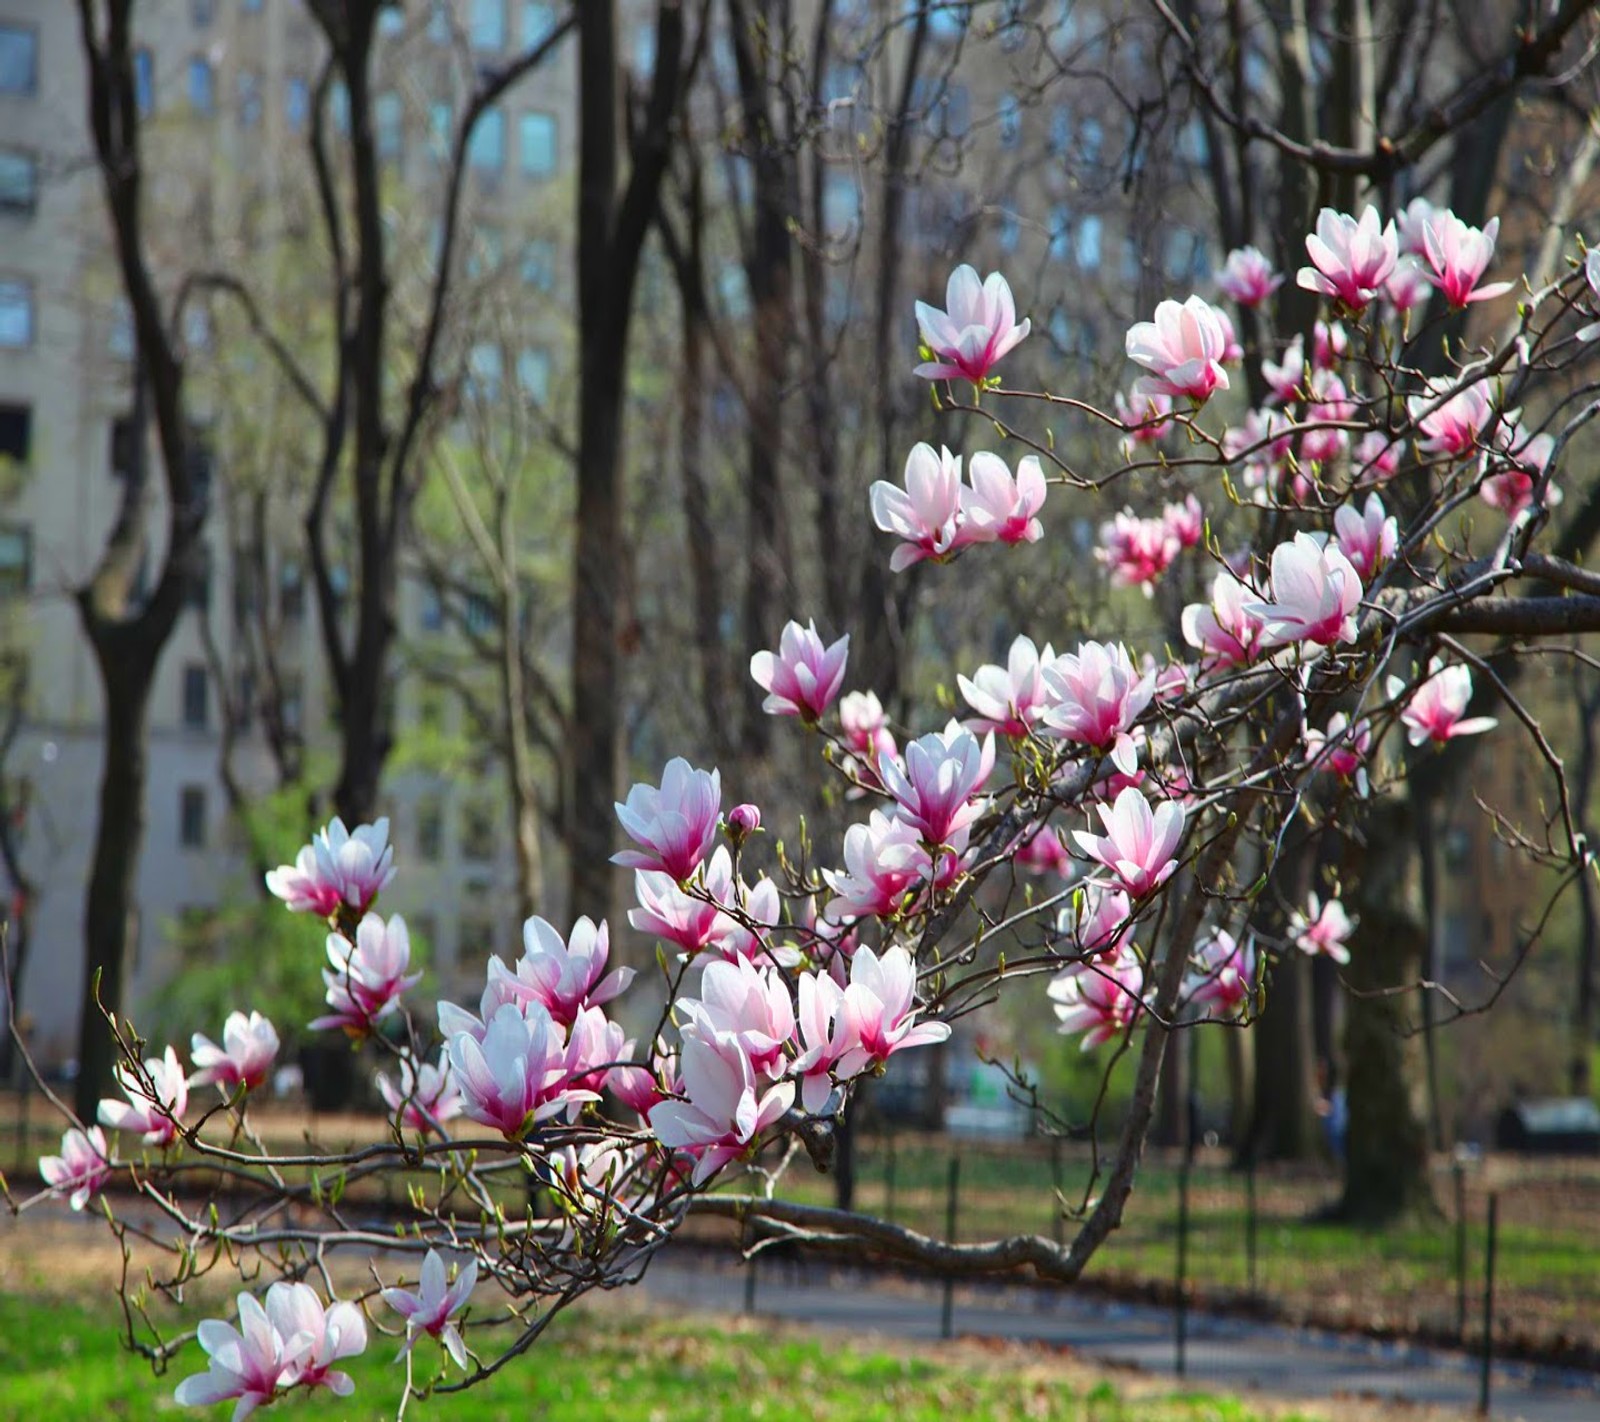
1227 1353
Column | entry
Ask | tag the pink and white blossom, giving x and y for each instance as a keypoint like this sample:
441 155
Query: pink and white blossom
564 975
1341 749
999 508
430 1310
721 1113
1330 343
329 1335
1223 631
1100 999
975 331
1286 378
884 862
936 785
1322 929
1098 919
1224 972
1350 258
339 866
1009 700
82 1168
1146 417
825 1036
1098 696
154 1110
1315 593
1185 521
368 978
1436 708
743 821
425 1096
1409 284
1367 536
519 1074
1591 275
880 1011
1452 424
248 1364
1458 255
803 677
249 1046
1247 276
688 920
1182 349
748 1003
674 826
1411 224
926 515
1377 456
1136 551
1139 846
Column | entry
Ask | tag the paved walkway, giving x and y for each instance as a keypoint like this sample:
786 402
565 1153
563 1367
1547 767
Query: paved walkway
1232 1354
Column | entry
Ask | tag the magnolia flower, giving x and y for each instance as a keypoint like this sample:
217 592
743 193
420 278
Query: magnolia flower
1285 378
926 515
1377 456
884 860
1452 425
1099 999
934 788
1136 551
688 920
720 1113
1591 274
674 826
1224 972
743 821
1247 276
825 1034
1183 349
249 1045
1186 521
1435 710
426 1096
329 1334
1009 699
564 976
1341 749
880 1010
1315 593
83 1166
1330 343
1042 852
1511 490
748 1003
977 328
519 1074
999 508
1459 254
429 1310
1322 929
1098 919
154 1110
1098 695
1411 224
1139 847
1367 537
1146 417
1350 259
247 1363
367 980
1409 284
1223 631
338 866
802 677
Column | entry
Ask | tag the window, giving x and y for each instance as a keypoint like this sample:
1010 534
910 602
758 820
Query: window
441 129
296 102
1060 130
251 7
439 22
19 59
956 118
430 830
1087 246
291 702
841 203
16 559
121 341
389 119
946 21
202 460
1010 117
202 12
488 24
192 817
202 85
16 313
249 98
487 150
124 447
483 372
536 139
486 251
196 697
539 264
1060 232
19 182
533 375
1091 139
430 612
1010 233
339 106
144 81
537 22
244 698
16 432
644 51
477 831
479 614
291 592
391 19
197 593
197 328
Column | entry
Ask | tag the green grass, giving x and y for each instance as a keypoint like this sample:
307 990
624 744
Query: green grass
61 1361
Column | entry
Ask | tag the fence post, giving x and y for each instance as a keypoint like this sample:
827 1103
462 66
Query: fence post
1180 1315
1250 1224
888 1177
1459 1170
1487 1376
946 1319
1058 1225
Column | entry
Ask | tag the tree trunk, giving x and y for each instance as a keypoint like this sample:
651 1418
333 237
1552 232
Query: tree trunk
1284 1123
109 904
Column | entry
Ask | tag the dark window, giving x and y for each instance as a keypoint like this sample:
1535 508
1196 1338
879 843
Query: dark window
486 150
202 86
192 817
144 80
389 119
198 592
249 98
430 618
480 616
203 11
16 313
477 832
16 559
202 461
291 708
16 432
245 699
19 182
430 831
124 446
196 696
19 59
536 138
489 24
291 592
296 101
